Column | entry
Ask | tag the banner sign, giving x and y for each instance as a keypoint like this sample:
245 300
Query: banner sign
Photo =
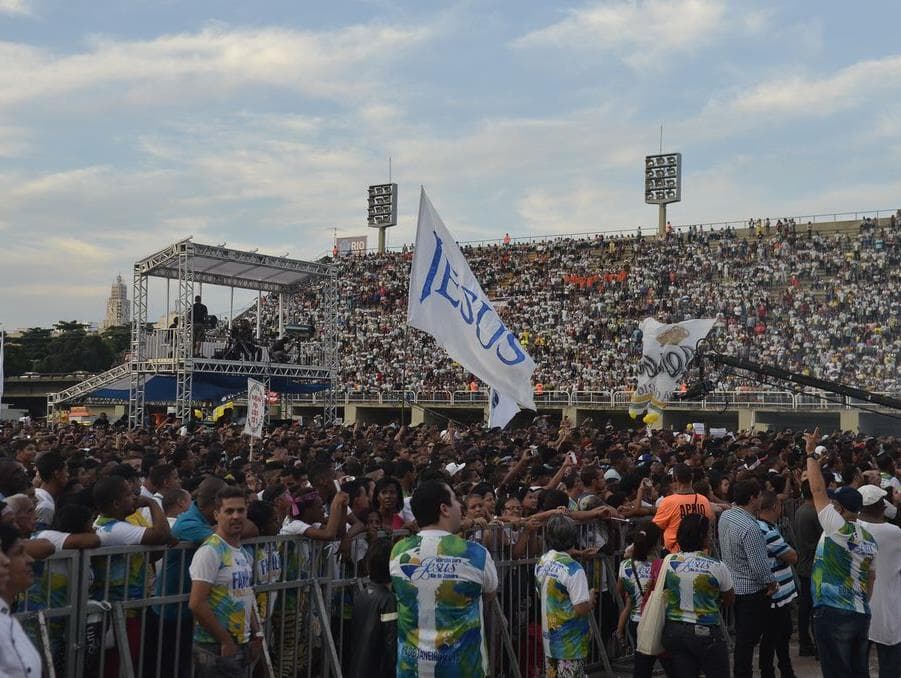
256 408
446 301
355 245
666 352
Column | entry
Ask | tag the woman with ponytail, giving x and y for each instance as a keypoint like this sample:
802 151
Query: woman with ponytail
633 583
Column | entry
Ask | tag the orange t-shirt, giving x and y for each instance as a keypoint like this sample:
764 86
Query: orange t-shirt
671 511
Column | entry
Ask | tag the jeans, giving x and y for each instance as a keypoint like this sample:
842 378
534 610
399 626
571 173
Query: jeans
842 642
695 648
643 666
775 640
208 663
805 611
751 614
889 660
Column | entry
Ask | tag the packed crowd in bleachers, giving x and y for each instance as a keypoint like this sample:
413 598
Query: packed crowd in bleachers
341 496
820 303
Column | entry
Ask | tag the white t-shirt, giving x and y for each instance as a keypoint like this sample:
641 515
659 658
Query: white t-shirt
885 623
58 539
296 527
230 572
118 533
18 656
46 507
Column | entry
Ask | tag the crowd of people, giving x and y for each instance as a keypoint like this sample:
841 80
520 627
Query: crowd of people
434 522
820 303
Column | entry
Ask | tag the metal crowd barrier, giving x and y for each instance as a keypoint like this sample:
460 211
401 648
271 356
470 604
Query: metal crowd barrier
123 611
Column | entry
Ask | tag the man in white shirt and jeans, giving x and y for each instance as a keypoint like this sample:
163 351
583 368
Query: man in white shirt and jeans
885 622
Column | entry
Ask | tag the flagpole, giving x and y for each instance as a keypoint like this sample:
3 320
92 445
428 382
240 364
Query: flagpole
403 379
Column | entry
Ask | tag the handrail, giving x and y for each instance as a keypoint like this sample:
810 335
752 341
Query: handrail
615 399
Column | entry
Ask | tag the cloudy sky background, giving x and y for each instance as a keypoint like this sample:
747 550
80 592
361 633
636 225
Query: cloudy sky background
127 125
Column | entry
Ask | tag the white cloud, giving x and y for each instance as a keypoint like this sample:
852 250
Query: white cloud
642 32
15 7
213 62
849 87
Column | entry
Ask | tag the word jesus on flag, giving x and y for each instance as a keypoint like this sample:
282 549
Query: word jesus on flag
446 300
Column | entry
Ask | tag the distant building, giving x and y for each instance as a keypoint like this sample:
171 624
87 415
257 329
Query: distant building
117 308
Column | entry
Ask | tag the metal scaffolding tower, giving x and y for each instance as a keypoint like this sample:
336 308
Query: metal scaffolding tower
172 351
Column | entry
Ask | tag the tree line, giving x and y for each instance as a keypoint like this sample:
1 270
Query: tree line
66 347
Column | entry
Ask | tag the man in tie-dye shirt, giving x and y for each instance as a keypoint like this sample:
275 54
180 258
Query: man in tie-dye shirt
227 637
843 574
440 581
566 602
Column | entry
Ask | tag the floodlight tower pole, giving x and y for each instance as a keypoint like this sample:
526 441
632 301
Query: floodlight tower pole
382 240
661 220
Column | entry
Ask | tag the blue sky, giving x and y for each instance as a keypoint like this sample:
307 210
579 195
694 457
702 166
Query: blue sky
127 125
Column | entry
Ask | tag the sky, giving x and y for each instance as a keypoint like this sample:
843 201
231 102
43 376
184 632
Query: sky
128 125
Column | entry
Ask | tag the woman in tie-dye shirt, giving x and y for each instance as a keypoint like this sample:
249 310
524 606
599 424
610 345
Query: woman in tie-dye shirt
634 580
566 602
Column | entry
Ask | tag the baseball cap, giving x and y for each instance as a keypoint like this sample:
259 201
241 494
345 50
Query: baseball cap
612 474
848 497
453 468
871 494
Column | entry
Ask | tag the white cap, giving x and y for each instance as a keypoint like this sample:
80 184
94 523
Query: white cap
871 494
612 474
820 449
453 468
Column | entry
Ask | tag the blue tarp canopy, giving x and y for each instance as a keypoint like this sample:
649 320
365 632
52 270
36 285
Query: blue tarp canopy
204 387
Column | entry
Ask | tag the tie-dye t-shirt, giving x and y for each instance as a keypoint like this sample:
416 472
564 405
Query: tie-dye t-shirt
230 572
267 570
439 580
627 573
118 577
842 564
692 588
562 584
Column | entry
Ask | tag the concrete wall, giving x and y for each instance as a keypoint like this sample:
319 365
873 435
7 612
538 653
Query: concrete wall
676 419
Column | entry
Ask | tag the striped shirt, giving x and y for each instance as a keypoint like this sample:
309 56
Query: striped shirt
776 546
744 551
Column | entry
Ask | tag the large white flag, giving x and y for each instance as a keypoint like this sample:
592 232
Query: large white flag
256 408
666 352
501 409
446 300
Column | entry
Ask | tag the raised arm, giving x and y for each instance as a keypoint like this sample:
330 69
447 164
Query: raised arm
815 472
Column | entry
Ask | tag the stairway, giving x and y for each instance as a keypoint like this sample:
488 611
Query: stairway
90 384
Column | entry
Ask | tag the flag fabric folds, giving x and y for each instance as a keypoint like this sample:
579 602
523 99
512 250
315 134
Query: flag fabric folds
501 409
666 352
447 302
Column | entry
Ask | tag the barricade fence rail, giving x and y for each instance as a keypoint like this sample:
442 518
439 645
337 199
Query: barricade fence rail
124 611
618 399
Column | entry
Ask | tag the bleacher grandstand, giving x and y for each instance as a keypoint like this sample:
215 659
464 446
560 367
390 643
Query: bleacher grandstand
819 300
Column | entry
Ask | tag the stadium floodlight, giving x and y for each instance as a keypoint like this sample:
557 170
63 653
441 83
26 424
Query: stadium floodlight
662 183
382 209
663 178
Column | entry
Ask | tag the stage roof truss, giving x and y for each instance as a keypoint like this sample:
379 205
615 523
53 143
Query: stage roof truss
228 267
